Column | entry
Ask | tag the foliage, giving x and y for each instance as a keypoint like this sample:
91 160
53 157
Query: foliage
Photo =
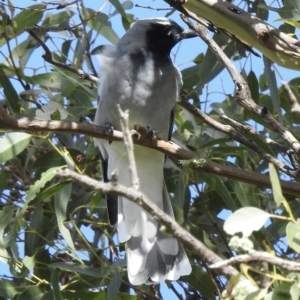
54 236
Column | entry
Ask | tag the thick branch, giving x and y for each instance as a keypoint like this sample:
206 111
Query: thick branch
169 148
252 31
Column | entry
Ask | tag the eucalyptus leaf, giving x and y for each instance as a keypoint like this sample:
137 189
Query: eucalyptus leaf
246 220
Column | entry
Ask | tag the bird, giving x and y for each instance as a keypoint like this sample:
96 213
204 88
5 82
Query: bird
139 75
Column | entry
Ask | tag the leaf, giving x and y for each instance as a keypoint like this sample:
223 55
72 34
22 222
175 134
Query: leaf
272 85
4 176
8 289
201 281
257 295
77 268
29 17
295 291
120 8
49 191
56 285
290 10
293 235
12 144
31 292
50 80
114 286
61 200
6 217
100 23
253 85
276 188
50 108
10 93
220 188
245 193
39 184
34 238
245 220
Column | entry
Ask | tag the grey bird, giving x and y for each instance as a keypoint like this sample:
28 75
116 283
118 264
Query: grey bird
139 75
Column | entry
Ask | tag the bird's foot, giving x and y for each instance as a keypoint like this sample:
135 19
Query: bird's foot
108 129
151 135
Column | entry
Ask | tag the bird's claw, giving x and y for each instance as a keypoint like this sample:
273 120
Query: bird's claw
108 129
150 133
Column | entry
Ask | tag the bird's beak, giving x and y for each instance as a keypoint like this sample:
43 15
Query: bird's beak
187 34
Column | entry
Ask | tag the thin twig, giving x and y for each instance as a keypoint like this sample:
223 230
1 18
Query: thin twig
135 183
48 58
259 256
249 130
237 137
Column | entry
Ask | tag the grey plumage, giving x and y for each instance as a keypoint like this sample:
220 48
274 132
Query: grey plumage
139 75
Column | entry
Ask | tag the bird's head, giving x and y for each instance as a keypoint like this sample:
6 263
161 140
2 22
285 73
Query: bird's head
158 35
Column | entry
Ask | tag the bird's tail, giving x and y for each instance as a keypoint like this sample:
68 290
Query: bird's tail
154 260
152 256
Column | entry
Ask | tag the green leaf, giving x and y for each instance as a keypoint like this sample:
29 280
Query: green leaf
56 285
272 85
50 80
257 295
34 238
289 11
60 19
77 268
31 292
201 281
293 235
276 188
246 220
253 85
219 187
12 144
61 200
120 8
4 176
114 286
100 23
295 291
6 217
8 289
10 93
245 193
29 17
49 191
39 184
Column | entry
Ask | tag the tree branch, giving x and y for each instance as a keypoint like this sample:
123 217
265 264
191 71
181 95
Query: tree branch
259 256
48 58
171 226
237 137
169 148
243 94
248 29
